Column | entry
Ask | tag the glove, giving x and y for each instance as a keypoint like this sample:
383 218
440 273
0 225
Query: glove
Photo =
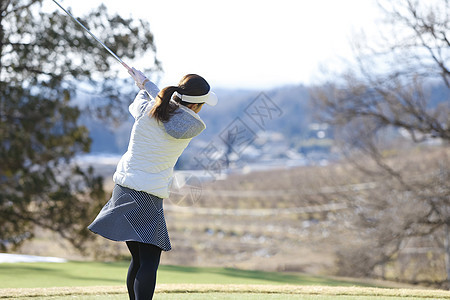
138 77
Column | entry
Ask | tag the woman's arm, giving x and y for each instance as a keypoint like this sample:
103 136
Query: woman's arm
151 89
139 104
144 83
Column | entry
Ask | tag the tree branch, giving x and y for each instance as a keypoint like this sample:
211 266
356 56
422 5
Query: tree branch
19 8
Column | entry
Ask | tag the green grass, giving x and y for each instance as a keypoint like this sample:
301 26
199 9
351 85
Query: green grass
30 275
101 281
181 274
33 275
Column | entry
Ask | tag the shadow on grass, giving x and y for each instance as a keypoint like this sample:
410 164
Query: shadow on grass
100 273
263 276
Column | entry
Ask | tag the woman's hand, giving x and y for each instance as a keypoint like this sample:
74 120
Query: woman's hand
138 77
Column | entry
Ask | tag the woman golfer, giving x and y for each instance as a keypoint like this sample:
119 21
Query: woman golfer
165 123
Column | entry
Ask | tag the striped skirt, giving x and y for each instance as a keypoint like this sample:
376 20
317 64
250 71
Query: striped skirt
133 216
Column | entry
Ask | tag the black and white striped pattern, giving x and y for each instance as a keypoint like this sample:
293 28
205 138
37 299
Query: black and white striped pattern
133 216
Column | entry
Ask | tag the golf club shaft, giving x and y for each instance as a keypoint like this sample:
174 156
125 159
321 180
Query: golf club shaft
109 50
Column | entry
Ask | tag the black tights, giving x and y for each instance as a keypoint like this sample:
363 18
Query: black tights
141 278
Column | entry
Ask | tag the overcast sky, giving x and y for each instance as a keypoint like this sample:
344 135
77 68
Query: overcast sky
245 43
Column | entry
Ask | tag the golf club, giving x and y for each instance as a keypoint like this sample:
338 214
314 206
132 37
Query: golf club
109 50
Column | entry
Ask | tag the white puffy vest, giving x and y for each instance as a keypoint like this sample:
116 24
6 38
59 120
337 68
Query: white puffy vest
152 153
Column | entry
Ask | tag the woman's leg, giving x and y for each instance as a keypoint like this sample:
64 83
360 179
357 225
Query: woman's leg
134 267
145 281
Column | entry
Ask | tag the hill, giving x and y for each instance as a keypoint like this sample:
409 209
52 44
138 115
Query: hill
275 126
291 121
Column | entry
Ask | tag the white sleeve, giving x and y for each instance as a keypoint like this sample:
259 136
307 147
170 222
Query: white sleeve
142 99
139 104
151 89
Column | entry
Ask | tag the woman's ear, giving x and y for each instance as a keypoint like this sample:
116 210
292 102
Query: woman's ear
196 107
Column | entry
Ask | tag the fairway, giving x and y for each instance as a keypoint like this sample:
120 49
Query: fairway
101 281
40 275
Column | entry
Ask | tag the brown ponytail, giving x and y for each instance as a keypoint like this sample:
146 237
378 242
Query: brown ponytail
191 84
163 109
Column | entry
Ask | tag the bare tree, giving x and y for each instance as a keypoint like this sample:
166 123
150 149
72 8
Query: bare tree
381 107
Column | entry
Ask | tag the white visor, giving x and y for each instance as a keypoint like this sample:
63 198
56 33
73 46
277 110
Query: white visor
210 98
